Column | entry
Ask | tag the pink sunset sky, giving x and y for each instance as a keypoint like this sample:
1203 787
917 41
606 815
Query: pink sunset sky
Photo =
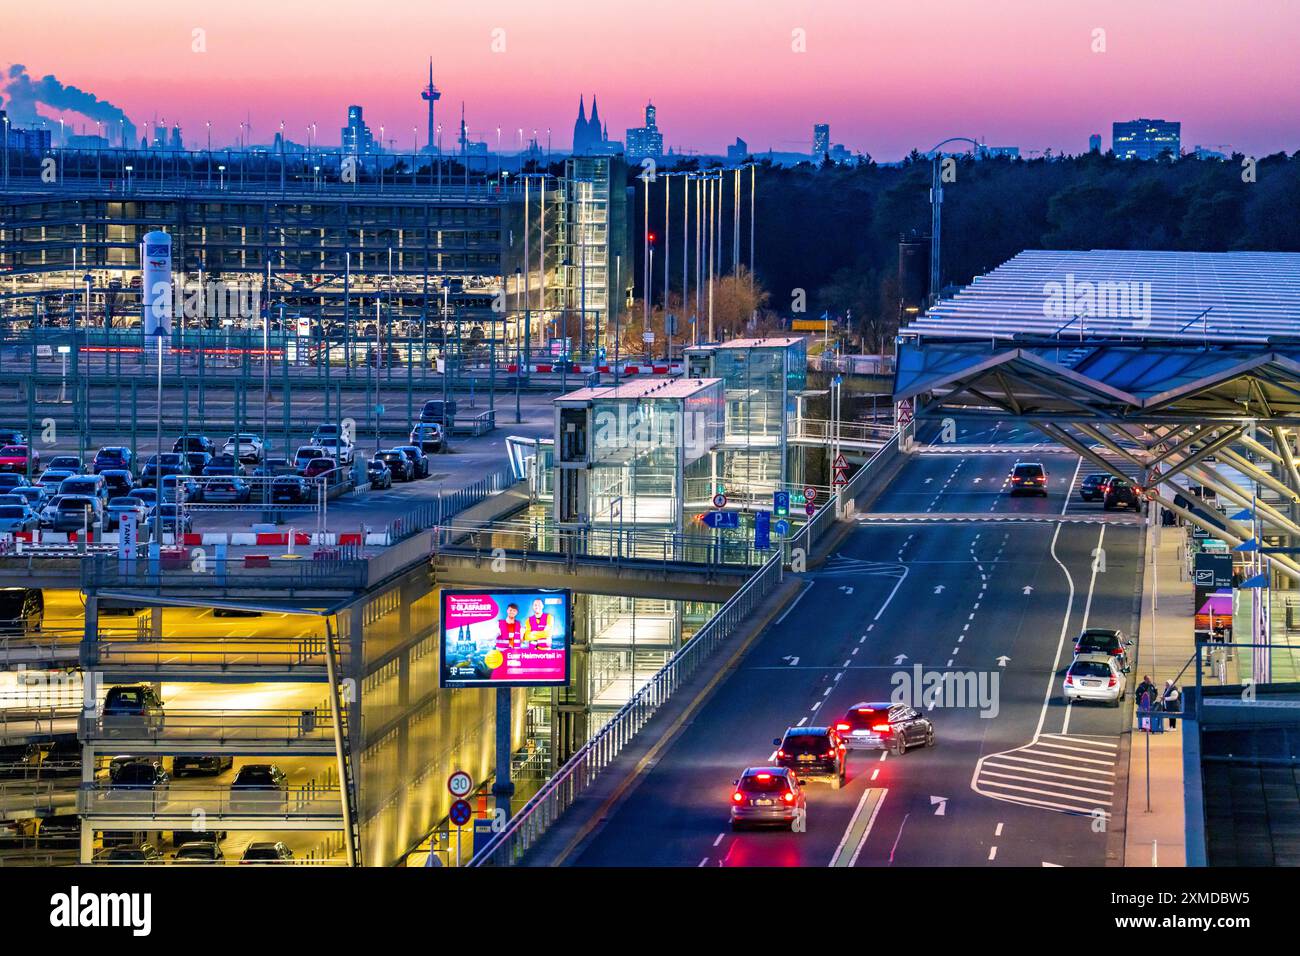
887 76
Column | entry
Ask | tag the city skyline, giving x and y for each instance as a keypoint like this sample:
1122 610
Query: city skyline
867 77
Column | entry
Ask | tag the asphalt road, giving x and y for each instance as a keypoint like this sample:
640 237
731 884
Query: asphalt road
1023 780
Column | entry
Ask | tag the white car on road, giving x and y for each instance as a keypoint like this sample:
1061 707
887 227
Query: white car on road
1095 677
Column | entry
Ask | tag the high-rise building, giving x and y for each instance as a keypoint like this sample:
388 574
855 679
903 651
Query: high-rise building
738 152
821 144
1094 143
647 140
25 140
1146 139
356 136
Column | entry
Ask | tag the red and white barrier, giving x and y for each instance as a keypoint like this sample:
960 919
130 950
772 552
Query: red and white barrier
623 368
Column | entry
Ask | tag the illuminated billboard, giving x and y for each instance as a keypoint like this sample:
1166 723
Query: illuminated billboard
505 638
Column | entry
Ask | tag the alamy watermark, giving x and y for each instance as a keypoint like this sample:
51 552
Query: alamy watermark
924 690
1108 299
634 428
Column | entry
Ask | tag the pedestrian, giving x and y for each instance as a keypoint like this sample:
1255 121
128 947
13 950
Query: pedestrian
1145 689
1170 702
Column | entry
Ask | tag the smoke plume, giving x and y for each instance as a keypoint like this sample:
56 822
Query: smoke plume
23 93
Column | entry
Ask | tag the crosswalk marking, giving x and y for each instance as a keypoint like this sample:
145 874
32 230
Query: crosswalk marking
1052 773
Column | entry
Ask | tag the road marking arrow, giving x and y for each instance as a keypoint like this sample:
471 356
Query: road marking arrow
941 803
938 589
899 659
846 589
791 660
1002 661
1028 589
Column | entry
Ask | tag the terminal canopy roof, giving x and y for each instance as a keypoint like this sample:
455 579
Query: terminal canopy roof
1220 340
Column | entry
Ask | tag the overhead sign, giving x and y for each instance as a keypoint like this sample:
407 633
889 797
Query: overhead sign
722 519
719 500
459 784
461 813
505 638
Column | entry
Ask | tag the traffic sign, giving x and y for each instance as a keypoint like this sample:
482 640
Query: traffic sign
459 784
841 461
762 530
840 479
809 508
781 504
810 493
722 519
719 500
461 813
782 527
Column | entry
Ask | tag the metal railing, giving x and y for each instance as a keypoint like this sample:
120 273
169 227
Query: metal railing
448 504
223 653
217 727
610 544
297 803
853 433
582 769
109 573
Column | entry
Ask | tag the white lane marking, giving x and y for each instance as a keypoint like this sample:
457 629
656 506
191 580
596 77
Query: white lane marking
702 862
1105 792
802 721
875 773
814 707
897 585
718 840
827 692
949 664
955 650
1087 609
993 852
883 755
998 831
871 822
846 663
793 603
855 651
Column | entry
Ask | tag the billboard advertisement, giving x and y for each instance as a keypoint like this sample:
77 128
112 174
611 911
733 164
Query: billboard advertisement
505 638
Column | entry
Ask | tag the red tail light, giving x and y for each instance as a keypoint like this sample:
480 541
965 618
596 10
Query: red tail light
1077 648
1069 680
880 728
780 753
842 727
738 797
831 752
763 776
1113 681
788 796
1118 651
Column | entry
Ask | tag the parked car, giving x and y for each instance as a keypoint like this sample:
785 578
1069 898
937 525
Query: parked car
67 463
429 436
124 505
196 462
1105 640
165 464
1095 677
245 446
12 436
113 456
183 764
91 486
49 511
261 852
32 495
438 412
50 479
378 474
195 443
290 489
326 432
22 610
148 495
225 491
140 854
307 454
222 466
141 785
274 468
175 487
132 709
338 449
322 467
18 519
19 458
419 460
117 482
199 852
171 519
259 787
76 513
402 468
10 480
